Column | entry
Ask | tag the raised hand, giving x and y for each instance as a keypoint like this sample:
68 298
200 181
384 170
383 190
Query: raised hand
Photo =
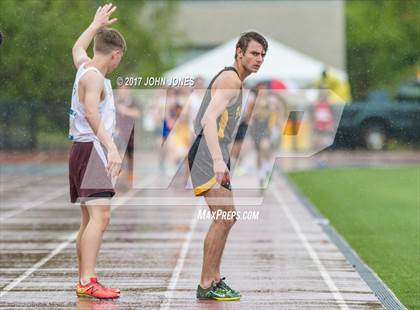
103 14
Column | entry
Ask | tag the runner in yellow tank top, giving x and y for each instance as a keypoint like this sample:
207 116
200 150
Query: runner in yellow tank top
209 158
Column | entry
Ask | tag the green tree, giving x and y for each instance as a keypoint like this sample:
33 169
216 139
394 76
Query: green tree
382 43
37 70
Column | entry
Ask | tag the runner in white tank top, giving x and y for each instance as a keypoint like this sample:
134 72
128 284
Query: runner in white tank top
92 122
79 129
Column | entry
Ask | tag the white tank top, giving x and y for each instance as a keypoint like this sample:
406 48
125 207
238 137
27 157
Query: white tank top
80 130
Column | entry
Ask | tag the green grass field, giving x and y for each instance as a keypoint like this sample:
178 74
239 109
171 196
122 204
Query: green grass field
378 212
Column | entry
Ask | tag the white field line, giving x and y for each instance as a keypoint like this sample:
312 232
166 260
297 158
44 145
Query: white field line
179 264
71 238
324 273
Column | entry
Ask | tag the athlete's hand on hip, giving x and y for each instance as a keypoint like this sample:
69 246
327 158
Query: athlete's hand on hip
221 171
114 163
103 14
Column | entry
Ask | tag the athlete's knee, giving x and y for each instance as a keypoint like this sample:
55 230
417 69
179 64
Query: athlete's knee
105 219
234 219
227 223
225 219
231 222
265 145
102 219
84 218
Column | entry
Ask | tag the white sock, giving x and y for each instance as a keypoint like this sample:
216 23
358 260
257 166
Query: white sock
267 168
261 173
83 282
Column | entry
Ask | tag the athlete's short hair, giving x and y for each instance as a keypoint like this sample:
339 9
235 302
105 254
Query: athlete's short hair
247 37
108 39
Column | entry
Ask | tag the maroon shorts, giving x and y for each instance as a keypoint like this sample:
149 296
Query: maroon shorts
87 174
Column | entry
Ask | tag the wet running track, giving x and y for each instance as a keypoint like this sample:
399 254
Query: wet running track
152 251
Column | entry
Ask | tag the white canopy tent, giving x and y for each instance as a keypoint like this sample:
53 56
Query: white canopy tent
281 62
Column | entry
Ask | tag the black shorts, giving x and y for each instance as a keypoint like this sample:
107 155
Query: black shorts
130 145
240 135
201 166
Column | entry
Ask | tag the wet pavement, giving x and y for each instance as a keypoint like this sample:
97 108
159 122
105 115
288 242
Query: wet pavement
153 252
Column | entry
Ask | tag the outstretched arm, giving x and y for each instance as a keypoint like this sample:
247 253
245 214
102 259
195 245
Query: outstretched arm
100 20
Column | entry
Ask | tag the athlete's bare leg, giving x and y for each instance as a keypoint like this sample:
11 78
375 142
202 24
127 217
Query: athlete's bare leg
264 151
214 243
130 166
236 149
83 223
91 239
263 161
234 154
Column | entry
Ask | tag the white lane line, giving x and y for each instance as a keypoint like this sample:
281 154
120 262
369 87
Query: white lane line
53 253
26 206
179 263
38 265
323 271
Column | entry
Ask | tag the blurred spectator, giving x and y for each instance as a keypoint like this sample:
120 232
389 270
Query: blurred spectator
247 97
260 121
195 100
323 115
339 90
127 114
180 139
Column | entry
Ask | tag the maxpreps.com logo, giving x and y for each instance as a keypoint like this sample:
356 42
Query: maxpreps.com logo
250 215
